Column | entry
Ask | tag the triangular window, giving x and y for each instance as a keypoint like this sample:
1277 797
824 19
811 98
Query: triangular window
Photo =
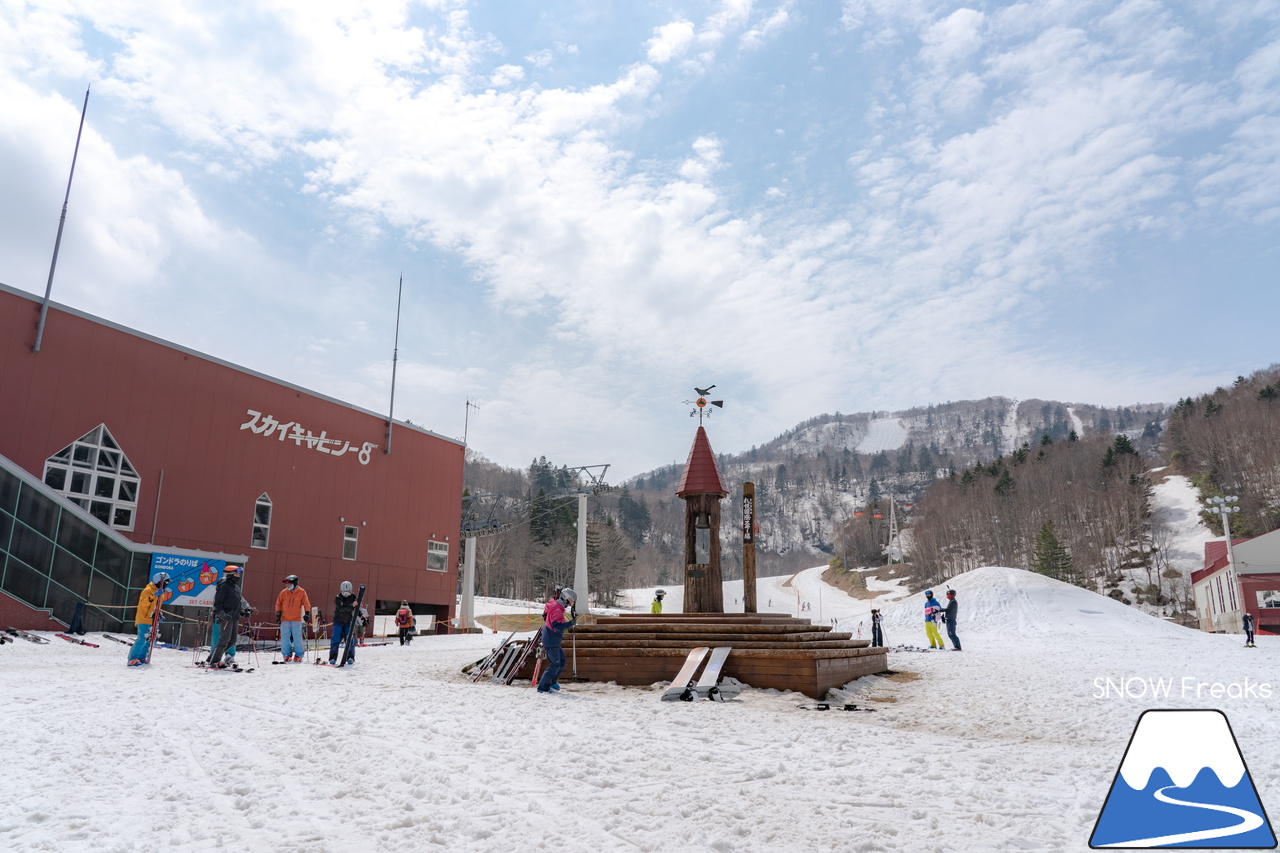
94 473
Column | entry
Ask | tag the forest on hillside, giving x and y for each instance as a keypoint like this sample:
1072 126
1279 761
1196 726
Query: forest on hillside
1080 510
1061 488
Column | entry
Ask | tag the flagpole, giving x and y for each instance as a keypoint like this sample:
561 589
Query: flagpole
48 288
395 355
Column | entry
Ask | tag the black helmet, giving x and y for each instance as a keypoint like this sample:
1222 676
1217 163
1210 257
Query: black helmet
293 579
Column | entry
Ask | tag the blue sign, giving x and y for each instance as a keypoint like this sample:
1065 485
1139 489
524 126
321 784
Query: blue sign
191 579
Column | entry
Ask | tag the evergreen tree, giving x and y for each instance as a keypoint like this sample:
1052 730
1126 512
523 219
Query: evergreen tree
1052 558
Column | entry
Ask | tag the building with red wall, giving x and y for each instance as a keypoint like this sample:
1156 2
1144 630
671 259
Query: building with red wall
164 445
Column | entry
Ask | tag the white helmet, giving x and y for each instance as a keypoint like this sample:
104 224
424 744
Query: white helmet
345 588
569 595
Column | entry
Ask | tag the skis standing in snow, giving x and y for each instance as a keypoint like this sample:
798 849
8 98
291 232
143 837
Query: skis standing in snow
553 629
405 623
950 614
291 603
931 610
147 618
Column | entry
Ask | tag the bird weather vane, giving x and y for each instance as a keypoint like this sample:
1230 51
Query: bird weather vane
700 404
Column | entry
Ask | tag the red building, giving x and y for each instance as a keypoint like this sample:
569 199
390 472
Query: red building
178 451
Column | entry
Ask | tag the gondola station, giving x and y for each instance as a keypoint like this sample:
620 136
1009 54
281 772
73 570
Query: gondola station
121 452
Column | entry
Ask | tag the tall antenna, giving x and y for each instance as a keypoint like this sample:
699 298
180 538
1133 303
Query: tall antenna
48 288
466 421
395 355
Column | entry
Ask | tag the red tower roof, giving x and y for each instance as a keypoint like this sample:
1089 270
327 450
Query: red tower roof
701 473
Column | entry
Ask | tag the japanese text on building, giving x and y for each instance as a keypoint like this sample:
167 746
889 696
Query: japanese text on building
267 426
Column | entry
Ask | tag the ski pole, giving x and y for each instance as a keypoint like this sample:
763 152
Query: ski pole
575 645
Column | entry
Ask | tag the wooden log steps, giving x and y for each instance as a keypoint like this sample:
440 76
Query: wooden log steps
642 642
694 629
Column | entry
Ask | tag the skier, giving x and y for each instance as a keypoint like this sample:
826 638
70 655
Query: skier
931 610
150 598
656 607
877 634
552 637
291 603
405 622
345 620
950 613
1248 631
227 606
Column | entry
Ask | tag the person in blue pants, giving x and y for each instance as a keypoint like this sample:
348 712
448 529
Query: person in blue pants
152 594
952 614
553 636
345 620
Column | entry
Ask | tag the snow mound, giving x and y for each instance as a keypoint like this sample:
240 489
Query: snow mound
1020 603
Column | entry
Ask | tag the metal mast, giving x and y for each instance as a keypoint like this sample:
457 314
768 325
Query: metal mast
395 355
62 220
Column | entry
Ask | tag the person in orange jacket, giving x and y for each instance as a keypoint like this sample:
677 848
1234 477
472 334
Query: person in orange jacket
291 604
405 622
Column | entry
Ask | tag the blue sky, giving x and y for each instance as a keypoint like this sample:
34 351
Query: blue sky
854 206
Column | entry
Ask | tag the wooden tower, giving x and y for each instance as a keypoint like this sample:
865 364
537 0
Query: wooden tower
702 489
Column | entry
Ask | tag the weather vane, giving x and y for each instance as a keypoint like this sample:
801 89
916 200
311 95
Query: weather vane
700 404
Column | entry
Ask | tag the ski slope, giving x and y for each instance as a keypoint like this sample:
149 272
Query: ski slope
1009 745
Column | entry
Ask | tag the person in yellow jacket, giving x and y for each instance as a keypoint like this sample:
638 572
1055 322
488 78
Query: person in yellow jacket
656 607
152 594
291 604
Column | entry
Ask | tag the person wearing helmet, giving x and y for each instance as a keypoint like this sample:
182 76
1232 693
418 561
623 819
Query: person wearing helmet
950 614
345 620
405 622
656 607
291 604
932 613
228 604
553 636
148 602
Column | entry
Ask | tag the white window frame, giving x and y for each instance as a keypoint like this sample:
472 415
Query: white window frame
350 536
264 500
109 482
440 550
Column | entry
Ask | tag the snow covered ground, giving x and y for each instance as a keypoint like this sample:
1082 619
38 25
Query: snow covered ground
1011 744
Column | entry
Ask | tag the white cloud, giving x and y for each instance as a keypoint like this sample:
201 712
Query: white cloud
670 41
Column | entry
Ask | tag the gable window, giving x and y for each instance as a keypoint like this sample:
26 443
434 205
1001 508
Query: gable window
261 521
349 536
93 472
437 556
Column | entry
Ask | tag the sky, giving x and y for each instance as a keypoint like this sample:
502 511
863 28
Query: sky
598 206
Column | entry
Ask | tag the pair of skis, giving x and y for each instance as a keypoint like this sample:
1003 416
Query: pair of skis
29 637
71 639
349 644
708 686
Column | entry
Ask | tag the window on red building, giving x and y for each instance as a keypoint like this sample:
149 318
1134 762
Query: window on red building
93 472
349 536
261 521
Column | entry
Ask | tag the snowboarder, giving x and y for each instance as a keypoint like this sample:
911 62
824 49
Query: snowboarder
405 622
345 620
227 606
931 610
656 607
149 599
1248 631
291 603
950 613
553 635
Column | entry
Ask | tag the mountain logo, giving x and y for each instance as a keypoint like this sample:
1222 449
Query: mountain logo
1183 783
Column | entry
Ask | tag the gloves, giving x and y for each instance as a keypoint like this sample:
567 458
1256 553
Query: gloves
278 614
